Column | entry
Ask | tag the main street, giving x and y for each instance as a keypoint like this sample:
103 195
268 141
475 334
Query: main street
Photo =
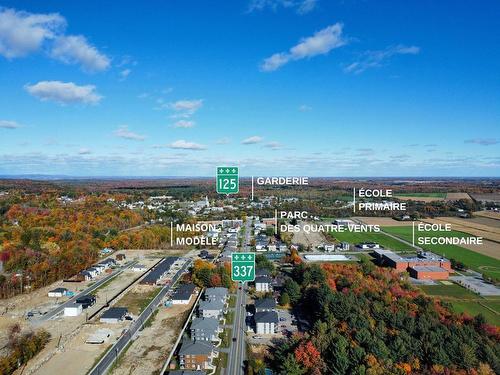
237 352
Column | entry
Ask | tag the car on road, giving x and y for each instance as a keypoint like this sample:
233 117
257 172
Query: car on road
234 339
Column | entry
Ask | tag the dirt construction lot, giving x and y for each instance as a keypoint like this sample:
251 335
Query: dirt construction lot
148 353
312 239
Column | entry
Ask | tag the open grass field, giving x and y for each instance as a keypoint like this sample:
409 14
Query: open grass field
474 308
453 290
478 262
464 301
381 238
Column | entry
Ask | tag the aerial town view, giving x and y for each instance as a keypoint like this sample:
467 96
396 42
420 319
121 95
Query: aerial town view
250 187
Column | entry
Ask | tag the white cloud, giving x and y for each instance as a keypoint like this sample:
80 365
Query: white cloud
6 124
22 33
84 151
184 145
64 92
273 145
375 59
74 49
123 132
483 141
187 106
124 74
184 124
300 6
252 140
223 141
320 43
305 108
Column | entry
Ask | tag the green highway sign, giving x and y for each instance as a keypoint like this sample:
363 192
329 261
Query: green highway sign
227 181
243 266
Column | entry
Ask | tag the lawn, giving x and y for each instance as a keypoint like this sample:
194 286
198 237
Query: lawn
226 337
381 238
220 362
230 317
474 308
232 301
453 291
464 301
478 262
421 195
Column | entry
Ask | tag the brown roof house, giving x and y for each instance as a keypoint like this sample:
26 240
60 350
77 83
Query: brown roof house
197 355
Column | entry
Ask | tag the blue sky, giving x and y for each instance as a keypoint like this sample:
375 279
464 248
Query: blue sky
278 87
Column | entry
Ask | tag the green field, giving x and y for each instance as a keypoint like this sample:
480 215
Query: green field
422 195
478 262
453 291
464 301
473 308
384 240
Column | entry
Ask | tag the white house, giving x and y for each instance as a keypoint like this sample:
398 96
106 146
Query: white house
74 309
139 268
266 322
263 284
58 292
211 309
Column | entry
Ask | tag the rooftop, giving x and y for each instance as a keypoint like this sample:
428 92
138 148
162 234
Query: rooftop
266 317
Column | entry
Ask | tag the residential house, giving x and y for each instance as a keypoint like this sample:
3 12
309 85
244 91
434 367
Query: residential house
73 309
183 294
58 292
114 315
265 304
263 284
266 322
197 355
86 301
213 308
219 293
205 329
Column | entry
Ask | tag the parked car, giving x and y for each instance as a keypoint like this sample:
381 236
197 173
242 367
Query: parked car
256 337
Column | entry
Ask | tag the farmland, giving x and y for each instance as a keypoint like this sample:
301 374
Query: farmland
478 262
422 195
381 238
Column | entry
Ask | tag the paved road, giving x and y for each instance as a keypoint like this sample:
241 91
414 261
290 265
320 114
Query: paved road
110 357
236 365
59 309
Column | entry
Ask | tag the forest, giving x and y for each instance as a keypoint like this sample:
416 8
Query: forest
43 239
367 320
